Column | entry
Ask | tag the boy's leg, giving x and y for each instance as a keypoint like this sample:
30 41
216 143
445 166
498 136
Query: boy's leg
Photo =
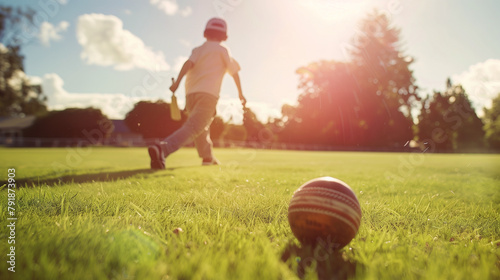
203 143
157 157
201 109
204 146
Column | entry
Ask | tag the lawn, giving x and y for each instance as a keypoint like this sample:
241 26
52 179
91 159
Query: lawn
100 213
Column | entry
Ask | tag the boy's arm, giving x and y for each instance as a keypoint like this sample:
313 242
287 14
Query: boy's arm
237 81
185 68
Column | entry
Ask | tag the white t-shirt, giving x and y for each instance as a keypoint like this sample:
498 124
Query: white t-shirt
211 61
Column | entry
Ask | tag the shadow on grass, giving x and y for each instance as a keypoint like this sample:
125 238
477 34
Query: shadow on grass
330 264
83 178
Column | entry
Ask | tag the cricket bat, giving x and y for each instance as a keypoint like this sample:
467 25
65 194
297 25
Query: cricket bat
175 113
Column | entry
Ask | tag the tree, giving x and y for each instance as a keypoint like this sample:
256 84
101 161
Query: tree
18 96
432 126
152 119
217 128
363 102
449 122
492 124
470 133
234 132
377 53
256 131
387 87
72 123
325 111
13 23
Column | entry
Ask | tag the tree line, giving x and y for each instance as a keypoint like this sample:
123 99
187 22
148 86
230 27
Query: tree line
370 101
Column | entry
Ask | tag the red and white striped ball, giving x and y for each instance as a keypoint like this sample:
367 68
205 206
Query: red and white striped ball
324 210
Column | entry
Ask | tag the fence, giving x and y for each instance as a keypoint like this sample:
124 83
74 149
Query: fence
139 142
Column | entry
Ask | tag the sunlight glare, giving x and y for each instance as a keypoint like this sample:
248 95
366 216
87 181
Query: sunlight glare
335 10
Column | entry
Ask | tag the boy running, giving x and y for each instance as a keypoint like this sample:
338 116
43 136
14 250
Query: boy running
204 71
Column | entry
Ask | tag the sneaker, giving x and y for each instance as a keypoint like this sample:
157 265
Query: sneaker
210 161
157 157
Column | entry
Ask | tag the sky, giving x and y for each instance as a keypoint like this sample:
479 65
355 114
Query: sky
110 54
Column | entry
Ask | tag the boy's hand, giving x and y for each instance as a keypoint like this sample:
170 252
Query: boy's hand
237 81
185 68
243 100
174 85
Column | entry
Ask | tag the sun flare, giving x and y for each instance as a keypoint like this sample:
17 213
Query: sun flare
334 11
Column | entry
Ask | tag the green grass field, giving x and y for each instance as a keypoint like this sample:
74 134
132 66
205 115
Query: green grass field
100 213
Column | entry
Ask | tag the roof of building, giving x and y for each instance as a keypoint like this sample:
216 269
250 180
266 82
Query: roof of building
16 122
121 127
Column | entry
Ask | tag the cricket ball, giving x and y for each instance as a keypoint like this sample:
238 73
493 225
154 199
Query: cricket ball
324 210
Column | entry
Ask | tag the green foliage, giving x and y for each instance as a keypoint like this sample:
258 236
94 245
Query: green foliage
152 119
13 23
88 123
425 216
363 102
492 124
256 131
234 132
383 66
449 121
217 128
18 96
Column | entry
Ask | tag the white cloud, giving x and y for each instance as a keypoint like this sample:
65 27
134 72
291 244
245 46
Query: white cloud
34 80
17 80
49 32
113 105
264 111
230 109
117 105
481 82
185 43
106 43
3 49
170 7
186 11
179 62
